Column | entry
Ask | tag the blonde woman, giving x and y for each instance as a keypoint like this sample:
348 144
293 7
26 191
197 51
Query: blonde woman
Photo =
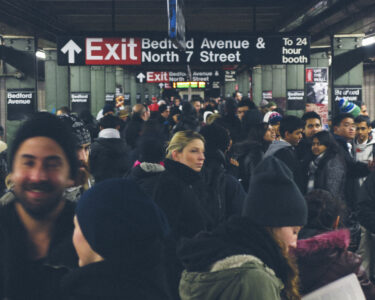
180 193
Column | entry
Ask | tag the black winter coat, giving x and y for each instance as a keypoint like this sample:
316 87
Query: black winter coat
180 193
133 131
132 279
355 170
366 203
225 193
249 155
147 176
331 174
22 278
109 158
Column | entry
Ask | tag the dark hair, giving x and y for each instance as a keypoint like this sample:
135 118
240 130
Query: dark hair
361 119
216 136
151 148
325 138
338 119
1 131
290 124
109 121
247 102
323 209
230 107
310 115
163 108
86 116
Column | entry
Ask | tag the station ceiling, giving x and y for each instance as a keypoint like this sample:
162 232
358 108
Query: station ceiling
48 19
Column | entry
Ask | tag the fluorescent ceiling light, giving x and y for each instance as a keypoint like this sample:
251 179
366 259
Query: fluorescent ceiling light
368 41
40 54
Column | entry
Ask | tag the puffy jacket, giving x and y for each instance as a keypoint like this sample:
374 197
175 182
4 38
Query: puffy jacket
325 258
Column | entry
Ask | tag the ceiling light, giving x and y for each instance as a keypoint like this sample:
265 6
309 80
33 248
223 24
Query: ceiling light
368 41
40 54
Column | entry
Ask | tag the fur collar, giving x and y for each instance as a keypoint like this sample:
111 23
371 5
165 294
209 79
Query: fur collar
237 261
330 240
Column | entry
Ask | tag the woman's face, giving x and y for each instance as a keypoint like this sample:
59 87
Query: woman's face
288 235
270 134
317 148
192 155
84 251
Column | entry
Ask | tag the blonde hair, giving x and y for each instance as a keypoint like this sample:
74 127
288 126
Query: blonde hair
181 139
292 285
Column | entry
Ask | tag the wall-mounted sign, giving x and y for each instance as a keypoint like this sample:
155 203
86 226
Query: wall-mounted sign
187 84
230 75
80 101
226 49
20 103
267 95
109 97
350 93
317 85
295 99
177 76
127 98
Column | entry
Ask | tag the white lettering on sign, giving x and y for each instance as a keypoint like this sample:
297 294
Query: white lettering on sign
158 77
169 56
227 44
90 48
20 95
113 51
210 56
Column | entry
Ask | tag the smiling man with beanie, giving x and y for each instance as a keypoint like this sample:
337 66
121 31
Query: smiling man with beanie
117 236
246 257
37 223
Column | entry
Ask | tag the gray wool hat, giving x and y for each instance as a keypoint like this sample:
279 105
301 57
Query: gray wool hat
274 199
79 129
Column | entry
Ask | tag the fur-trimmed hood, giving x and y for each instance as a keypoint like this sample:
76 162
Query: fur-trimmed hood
338 239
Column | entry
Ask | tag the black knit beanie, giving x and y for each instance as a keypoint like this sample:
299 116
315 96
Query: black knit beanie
119 220
47 125
274 199
80 131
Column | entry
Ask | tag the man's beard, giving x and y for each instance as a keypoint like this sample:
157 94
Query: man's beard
38 212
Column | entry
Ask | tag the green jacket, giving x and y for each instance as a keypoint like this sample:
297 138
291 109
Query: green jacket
240 277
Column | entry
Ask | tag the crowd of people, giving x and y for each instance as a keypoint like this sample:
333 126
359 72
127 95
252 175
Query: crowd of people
219 199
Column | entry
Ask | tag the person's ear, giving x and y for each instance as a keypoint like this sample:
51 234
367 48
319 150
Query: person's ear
175 155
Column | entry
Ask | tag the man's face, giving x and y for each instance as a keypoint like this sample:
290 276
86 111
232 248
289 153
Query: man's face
312 126
241 111
83 153
346 129
146 115
197 106
40 174
165 113
294 137
363 132
364 111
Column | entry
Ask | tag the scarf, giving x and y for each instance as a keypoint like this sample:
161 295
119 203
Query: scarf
313 166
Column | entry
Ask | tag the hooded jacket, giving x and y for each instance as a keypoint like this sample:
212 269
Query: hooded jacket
239 260
147 175
286 152
325 258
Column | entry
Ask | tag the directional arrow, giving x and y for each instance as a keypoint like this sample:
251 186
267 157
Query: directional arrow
141 76
71 47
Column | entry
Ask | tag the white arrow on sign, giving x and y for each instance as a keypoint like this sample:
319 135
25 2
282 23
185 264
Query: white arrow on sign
71 47
161 85
141 76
